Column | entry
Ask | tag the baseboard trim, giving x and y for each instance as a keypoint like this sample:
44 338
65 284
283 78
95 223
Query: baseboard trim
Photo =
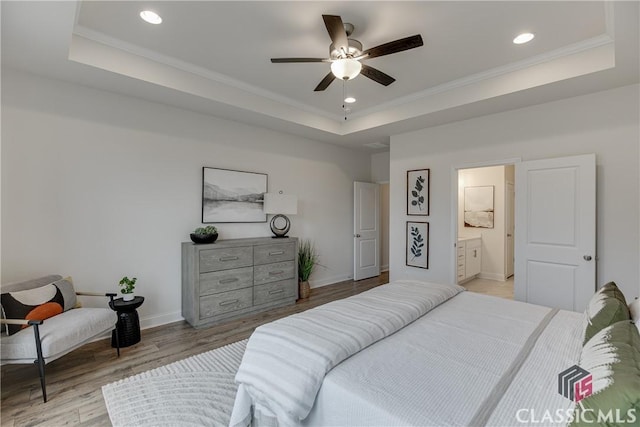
492 276
176 316
330 280
160 319
148 322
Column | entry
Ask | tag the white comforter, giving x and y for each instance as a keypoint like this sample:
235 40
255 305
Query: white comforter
443 369
286 361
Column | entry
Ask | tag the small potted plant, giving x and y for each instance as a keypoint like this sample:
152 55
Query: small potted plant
126 288
307 260
207 234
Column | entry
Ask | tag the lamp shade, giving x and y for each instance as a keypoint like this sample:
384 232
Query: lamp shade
346 68
280 204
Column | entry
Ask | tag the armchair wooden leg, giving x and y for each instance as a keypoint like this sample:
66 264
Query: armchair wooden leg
40 361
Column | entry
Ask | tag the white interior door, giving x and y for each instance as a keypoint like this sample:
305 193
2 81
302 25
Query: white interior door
366 226
509 230
555 232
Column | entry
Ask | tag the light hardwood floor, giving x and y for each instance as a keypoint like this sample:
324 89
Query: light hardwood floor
491 287
74 381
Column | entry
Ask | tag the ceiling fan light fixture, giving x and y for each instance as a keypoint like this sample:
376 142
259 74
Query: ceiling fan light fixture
151 17
346 68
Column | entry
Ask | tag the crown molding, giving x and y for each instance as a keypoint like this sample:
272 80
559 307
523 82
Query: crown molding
190 68
585 45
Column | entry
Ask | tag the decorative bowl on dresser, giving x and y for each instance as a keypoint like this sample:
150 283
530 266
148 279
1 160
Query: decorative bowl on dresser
237 277
203 238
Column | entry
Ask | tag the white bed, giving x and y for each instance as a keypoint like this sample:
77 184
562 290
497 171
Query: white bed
441 369
469 359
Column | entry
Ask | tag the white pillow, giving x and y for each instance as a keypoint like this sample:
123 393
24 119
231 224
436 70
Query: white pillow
634 309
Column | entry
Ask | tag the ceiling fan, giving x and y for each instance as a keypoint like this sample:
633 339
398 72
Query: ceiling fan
345 54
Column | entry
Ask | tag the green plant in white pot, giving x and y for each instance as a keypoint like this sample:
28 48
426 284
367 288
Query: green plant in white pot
126 288
307 260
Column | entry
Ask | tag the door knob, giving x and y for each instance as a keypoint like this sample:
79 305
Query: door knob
357 235
587 257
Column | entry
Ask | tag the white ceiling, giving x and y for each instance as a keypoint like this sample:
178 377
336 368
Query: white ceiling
213 57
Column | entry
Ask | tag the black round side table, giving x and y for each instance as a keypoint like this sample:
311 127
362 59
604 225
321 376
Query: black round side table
128 321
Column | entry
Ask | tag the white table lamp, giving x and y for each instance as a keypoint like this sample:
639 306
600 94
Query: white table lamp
280 205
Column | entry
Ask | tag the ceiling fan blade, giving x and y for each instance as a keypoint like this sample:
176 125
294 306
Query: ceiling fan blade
338 35
325 82
394 46
286 60
376 75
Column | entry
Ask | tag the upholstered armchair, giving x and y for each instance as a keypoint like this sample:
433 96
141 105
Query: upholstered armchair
42 321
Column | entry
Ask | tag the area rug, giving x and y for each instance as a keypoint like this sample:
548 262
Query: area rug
197 391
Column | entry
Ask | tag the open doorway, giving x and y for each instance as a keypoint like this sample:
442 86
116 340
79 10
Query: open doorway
485 229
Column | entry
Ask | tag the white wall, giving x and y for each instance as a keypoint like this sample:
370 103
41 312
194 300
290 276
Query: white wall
380 167
605 123
98 186
492 238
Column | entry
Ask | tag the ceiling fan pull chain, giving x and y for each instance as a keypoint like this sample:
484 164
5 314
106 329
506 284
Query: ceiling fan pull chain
344 109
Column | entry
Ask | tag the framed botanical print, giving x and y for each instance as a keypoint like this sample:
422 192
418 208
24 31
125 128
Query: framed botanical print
418 192
417 244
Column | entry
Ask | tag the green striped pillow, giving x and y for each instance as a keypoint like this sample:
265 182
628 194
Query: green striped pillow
612 357
606 307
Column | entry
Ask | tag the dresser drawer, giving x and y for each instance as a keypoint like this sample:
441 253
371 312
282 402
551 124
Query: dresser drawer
267 254
226 280
263 294
273 272
225 302
225 258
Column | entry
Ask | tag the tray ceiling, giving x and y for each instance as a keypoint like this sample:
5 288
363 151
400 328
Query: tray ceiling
214 57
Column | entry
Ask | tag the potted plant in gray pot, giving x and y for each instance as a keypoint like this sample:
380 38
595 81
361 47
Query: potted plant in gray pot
307 260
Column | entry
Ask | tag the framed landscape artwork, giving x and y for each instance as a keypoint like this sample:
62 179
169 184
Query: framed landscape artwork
417 244
478 207
232 196
418 192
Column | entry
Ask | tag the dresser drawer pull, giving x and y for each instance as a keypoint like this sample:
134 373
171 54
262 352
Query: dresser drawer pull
229 258
276 273
222 304
276 291
276 253
231 280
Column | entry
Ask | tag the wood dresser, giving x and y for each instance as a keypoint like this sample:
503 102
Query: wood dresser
233 278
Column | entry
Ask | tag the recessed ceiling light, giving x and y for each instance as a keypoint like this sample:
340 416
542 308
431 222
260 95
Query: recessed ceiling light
523 38
350 100
151 17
